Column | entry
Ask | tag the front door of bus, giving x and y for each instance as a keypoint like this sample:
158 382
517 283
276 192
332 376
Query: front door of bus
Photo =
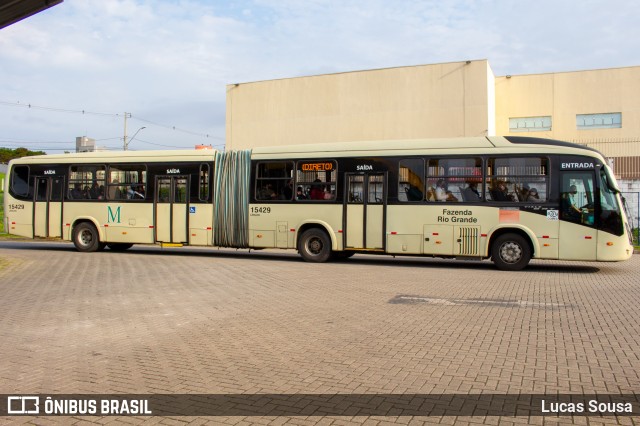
577 234
172 209
47 210
365 211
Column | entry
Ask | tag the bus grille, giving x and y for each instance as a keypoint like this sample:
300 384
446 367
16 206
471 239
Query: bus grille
468 239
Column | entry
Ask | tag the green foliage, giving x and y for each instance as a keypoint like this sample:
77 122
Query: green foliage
7 154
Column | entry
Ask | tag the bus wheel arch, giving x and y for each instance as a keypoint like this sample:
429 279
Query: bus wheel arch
314 243
86 237
511 249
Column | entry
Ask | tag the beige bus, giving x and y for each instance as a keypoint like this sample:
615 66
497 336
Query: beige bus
509 199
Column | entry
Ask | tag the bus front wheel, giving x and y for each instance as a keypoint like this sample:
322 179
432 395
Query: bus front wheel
511 252
315 245
86 238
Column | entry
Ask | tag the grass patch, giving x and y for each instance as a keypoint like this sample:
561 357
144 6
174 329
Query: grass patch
1 203
1 213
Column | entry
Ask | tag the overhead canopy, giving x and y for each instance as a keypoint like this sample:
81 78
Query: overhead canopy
12 11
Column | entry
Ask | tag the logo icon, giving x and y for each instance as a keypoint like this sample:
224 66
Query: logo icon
23 405
192 209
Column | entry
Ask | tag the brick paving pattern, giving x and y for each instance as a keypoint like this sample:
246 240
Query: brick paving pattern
224 322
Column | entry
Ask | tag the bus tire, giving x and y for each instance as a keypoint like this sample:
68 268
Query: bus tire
86 238
314 245
119 246
511 252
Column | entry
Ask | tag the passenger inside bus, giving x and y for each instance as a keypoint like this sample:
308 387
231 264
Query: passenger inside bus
441 190
317 193
501 193
267 193
132 194
443 194
94 192
470 193
300 195
414 193
569 207
287 191
533 196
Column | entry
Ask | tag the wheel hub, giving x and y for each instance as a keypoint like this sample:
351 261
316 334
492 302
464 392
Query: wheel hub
315 246
511 252
86 238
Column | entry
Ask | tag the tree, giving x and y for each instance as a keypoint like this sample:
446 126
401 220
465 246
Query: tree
7 154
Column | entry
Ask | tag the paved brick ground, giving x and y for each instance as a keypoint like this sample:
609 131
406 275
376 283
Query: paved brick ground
207 321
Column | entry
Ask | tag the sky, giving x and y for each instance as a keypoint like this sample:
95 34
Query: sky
77 68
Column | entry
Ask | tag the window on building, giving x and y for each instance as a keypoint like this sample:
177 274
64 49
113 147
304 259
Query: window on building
87 182
530 124
516 179
611 120
316 180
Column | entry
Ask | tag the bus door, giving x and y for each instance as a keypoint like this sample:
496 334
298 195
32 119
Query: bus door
172 209
47 206
577 233
365 208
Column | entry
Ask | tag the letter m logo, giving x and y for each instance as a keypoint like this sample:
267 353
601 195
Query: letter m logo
114 217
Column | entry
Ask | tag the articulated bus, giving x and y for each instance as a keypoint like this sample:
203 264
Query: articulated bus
509 199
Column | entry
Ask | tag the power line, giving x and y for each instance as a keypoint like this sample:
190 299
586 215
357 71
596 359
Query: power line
204 135
70 111
104 114
167 146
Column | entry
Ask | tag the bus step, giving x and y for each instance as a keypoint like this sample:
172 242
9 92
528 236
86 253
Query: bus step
163 245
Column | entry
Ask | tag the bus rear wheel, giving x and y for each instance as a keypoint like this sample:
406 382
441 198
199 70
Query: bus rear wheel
314 245
119 246
510 252
86 238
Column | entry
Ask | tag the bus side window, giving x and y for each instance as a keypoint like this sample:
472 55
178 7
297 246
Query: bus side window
410 180
20 185
316 180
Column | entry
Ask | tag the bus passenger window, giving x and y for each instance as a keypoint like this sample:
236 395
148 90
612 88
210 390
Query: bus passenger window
517 179
87 182
204 183
316 180
454 180
274 181
127 182
410 180
20 187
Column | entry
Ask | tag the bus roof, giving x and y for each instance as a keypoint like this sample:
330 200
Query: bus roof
466 145
122 156
441 146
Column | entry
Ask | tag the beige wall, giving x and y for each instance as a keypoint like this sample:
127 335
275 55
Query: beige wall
563 95
441 100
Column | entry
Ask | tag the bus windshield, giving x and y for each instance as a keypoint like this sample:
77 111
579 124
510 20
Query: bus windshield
610 211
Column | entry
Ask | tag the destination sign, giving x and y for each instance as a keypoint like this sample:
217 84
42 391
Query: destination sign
317 166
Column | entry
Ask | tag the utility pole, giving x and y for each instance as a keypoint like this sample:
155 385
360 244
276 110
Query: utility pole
126 115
